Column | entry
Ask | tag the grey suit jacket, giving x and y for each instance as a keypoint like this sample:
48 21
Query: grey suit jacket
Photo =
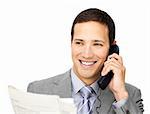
61 85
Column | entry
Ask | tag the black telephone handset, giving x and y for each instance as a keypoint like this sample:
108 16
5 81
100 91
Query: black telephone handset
104 80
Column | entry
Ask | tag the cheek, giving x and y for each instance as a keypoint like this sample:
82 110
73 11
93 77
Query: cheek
102 54
74 51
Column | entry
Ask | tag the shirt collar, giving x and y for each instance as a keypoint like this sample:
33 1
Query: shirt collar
78 84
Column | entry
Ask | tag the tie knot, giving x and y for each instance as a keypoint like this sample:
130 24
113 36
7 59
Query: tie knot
86 92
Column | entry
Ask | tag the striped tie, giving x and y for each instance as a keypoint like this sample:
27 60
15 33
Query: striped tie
85 105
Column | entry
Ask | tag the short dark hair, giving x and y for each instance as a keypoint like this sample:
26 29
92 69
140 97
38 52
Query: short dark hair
94 14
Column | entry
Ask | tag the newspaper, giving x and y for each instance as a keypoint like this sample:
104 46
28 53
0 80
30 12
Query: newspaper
29 103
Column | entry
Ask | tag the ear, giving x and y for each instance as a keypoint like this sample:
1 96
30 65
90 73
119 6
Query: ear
114 42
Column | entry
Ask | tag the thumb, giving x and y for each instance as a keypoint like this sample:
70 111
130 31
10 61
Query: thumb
104 71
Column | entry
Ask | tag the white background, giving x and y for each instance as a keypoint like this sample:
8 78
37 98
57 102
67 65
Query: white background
35 41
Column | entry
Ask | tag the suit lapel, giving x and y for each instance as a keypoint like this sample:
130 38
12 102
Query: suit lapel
62 87
103 102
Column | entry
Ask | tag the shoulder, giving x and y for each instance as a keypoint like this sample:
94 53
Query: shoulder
132 90
41 86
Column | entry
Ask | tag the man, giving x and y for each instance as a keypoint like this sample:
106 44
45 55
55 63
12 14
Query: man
93 34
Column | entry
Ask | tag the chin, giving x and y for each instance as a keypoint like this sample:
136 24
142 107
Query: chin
88 74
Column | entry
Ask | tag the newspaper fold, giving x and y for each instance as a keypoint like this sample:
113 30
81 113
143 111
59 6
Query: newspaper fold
29 103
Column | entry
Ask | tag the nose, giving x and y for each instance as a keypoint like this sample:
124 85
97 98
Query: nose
87 52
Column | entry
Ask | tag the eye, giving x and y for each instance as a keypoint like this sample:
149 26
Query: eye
79 43
98 44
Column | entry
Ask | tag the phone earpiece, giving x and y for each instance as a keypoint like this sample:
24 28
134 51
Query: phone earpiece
114 49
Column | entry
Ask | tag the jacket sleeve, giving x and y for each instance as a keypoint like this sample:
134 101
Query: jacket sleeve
36 87
133 105
30 88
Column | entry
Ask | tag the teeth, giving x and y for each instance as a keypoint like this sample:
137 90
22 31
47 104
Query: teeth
87 63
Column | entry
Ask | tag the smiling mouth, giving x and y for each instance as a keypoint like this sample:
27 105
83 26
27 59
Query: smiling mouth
87 63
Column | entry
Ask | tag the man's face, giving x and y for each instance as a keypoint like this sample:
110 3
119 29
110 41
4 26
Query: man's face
90 47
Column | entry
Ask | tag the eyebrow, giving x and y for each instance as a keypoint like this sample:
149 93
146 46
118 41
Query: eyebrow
92 40
97 40
78 39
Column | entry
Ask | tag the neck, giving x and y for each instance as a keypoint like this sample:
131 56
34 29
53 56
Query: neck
88 81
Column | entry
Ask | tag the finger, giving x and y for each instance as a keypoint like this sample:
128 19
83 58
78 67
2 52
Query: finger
108 67
113 60
116 56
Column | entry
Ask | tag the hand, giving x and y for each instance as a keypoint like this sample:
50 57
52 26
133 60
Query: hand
117 84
